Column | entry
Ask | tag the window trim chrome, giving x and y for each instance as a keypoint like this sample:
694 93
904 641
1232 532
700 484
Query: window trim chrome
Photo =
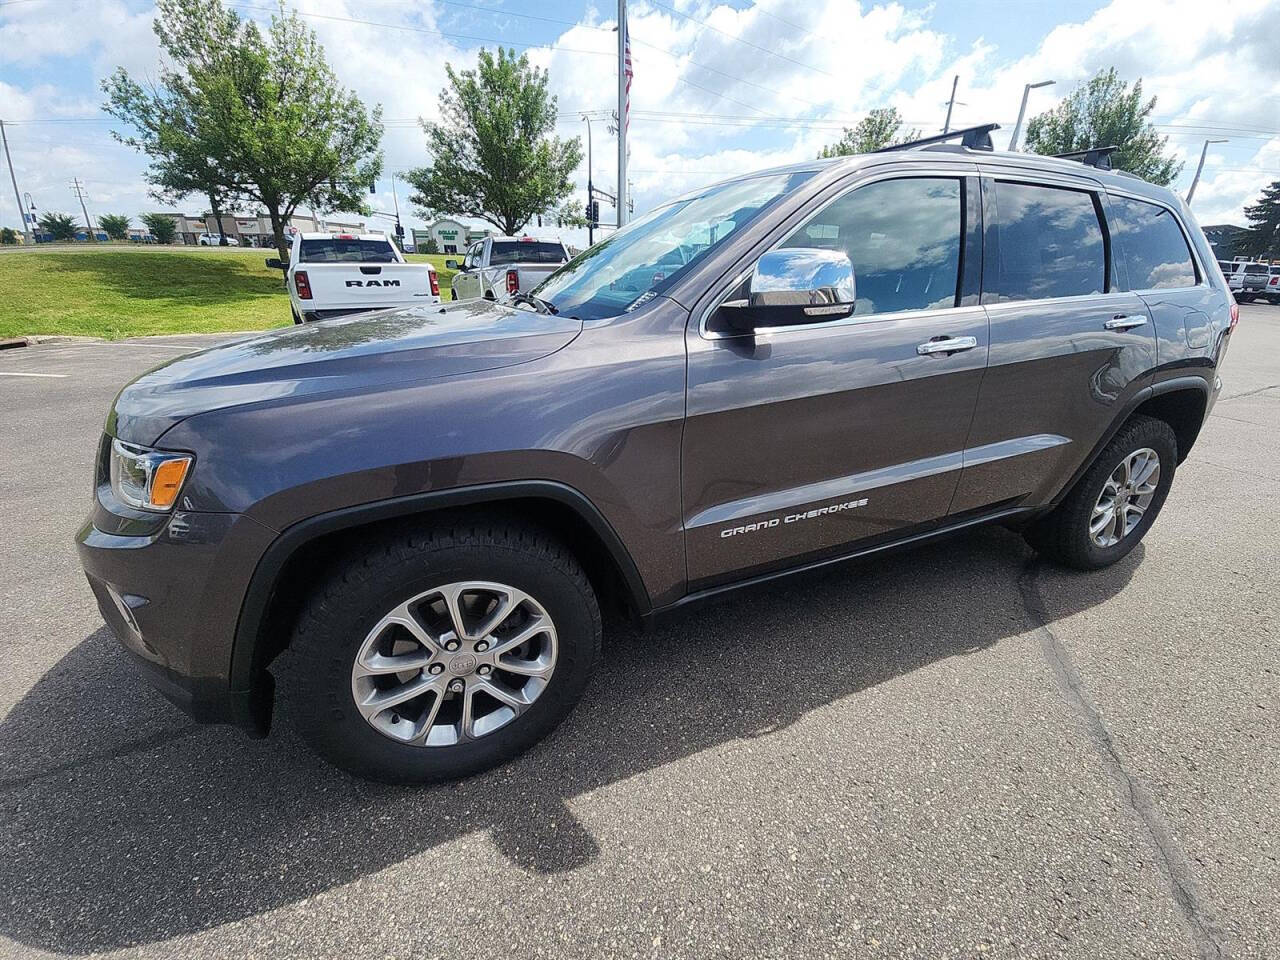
958 171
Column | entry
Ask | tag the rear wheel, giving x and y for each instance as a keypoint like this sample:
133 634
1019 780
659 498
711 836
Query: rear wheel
1113 505
443 654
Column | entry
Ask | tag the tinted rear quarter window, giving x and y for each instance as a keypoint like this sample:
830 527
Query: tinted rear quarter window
903 238
1154 248
1050 243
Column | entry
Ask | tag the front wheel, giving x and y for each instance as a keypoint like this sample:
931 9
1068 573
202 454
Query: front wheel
441 654
1113 505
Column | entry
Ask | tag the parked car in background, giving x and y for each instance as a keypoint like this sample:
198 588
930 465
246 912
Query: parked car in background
1272 292
1250 281
814 363
498 267
215 240
333 275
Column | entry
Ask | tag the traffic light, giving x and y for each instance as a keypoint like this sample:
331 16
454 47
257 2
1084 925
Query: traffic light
593 213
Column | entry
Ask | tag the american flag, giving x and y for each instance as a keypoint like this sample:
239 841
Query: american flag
629 73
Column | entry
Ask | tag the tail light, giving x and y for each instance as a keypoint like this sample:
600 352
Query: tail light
302 285
1235 315
435 283
1274 281
513 281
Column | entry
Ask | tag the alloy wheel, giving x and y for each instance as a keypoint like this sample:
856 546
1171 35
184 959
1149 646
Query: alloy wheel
454 663
1125 497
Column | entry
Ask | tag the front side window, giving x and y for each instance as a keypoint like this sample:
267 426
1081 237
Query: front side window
1050 243
902 237
1154 248
652 252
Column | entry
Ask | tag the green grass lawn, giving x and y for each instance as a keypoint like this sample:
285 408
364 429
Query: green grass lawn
130 292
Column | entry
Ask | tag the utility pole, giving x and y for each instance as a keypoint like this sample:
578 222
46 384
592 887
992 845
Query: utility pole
1200 166
78 188
946 126
591 193
22 212
624 93
1022 110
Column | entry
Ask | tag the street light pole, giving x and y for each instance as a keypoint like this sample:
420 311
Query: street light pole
591 193
1022 110
26 230
946 125
1200 166
624 52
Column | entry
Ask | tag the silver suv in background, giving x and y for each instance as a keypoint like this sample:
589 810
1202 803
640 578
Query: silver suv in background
1249 280
498 267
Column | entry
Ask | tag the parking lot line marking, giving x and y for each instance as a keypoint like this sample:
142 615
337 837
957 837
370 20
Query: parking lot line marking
51 376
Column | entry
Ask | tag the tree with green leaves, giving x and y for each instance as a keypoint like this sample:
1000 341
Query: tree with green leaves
1262 237
880 128
115 225
8 237
247 114
60 226
493 153
1106 112
161 226
432 246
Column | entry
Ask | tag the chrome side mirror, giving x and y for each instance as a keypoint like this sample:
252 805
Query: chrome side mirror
795 286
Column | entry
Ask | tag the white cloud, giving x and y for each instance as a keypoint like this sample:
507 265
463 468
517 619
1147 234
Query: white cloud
706 74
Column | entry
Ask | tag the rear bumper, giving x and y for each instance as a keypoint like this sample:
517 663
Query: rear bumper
173 599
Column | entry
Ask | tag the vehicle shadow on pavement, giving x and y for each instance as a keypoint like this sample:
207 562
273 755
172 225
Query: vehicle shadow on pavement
123 824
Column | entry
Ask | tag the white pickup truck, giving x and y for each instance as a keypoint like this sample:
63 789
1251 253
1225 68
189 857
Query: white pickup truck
332 275
498 267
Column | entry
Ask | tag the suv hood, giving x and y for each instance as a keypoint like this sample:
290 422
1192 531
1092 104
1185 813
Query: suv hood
365 351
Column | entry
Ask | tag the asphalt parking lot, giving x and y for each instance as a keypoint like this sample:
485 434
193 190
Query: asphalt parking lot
956 752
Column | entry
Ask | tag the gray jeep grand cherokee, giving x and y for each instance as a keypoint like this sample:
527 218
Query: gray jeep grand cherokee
429 506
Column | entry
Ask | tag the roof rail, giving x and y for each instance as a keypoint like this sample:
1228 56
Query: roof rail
975 138
1099 157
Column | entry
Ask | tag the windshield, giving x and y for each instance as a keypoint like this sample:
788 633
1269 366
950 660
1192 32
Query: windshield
650 253
526 251
335 250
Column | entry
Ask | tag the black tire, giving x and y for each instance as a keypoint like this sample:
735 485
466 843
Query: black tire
1063 535
347 604
296 319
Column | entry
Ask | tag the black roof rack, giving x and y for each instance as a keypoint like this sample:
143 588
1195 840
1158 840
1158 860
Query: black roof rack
975 138
1099 157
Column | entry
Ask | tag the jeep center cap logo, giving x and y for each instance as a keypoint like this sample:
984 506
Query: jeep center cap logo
463 664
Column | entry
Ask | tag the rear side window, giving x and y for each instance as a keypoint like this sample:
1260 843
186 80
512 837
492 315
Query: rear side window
903 238
334 250
1154 248
526 251
1050 243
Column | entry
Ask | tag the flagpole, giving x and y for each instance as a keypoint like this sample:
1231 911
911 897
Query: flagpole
624 54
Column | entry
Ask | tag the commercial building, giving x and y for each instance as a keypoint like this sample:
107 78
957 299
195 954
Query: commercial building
255 230
450 236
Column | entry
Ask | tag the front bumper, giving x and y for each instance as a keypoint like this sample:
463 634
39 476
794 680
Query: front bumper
173 598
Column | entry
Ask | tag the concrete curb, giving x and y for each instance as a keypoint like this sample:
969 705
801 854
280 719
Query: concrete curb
33 339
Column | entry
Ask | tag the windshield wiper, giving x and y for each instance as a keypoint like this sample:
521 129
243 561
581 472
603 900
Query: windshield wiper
542 306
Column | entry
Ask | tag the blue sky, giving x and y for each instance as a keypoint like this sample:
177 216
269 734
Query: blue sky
721 87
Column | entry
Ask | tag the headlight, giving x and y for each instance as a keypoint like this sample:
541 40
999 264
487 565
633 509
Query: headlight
147 479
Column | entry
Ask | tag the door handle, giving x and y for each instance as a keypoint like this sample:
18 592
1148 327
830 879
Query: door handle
1121 322
947 345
